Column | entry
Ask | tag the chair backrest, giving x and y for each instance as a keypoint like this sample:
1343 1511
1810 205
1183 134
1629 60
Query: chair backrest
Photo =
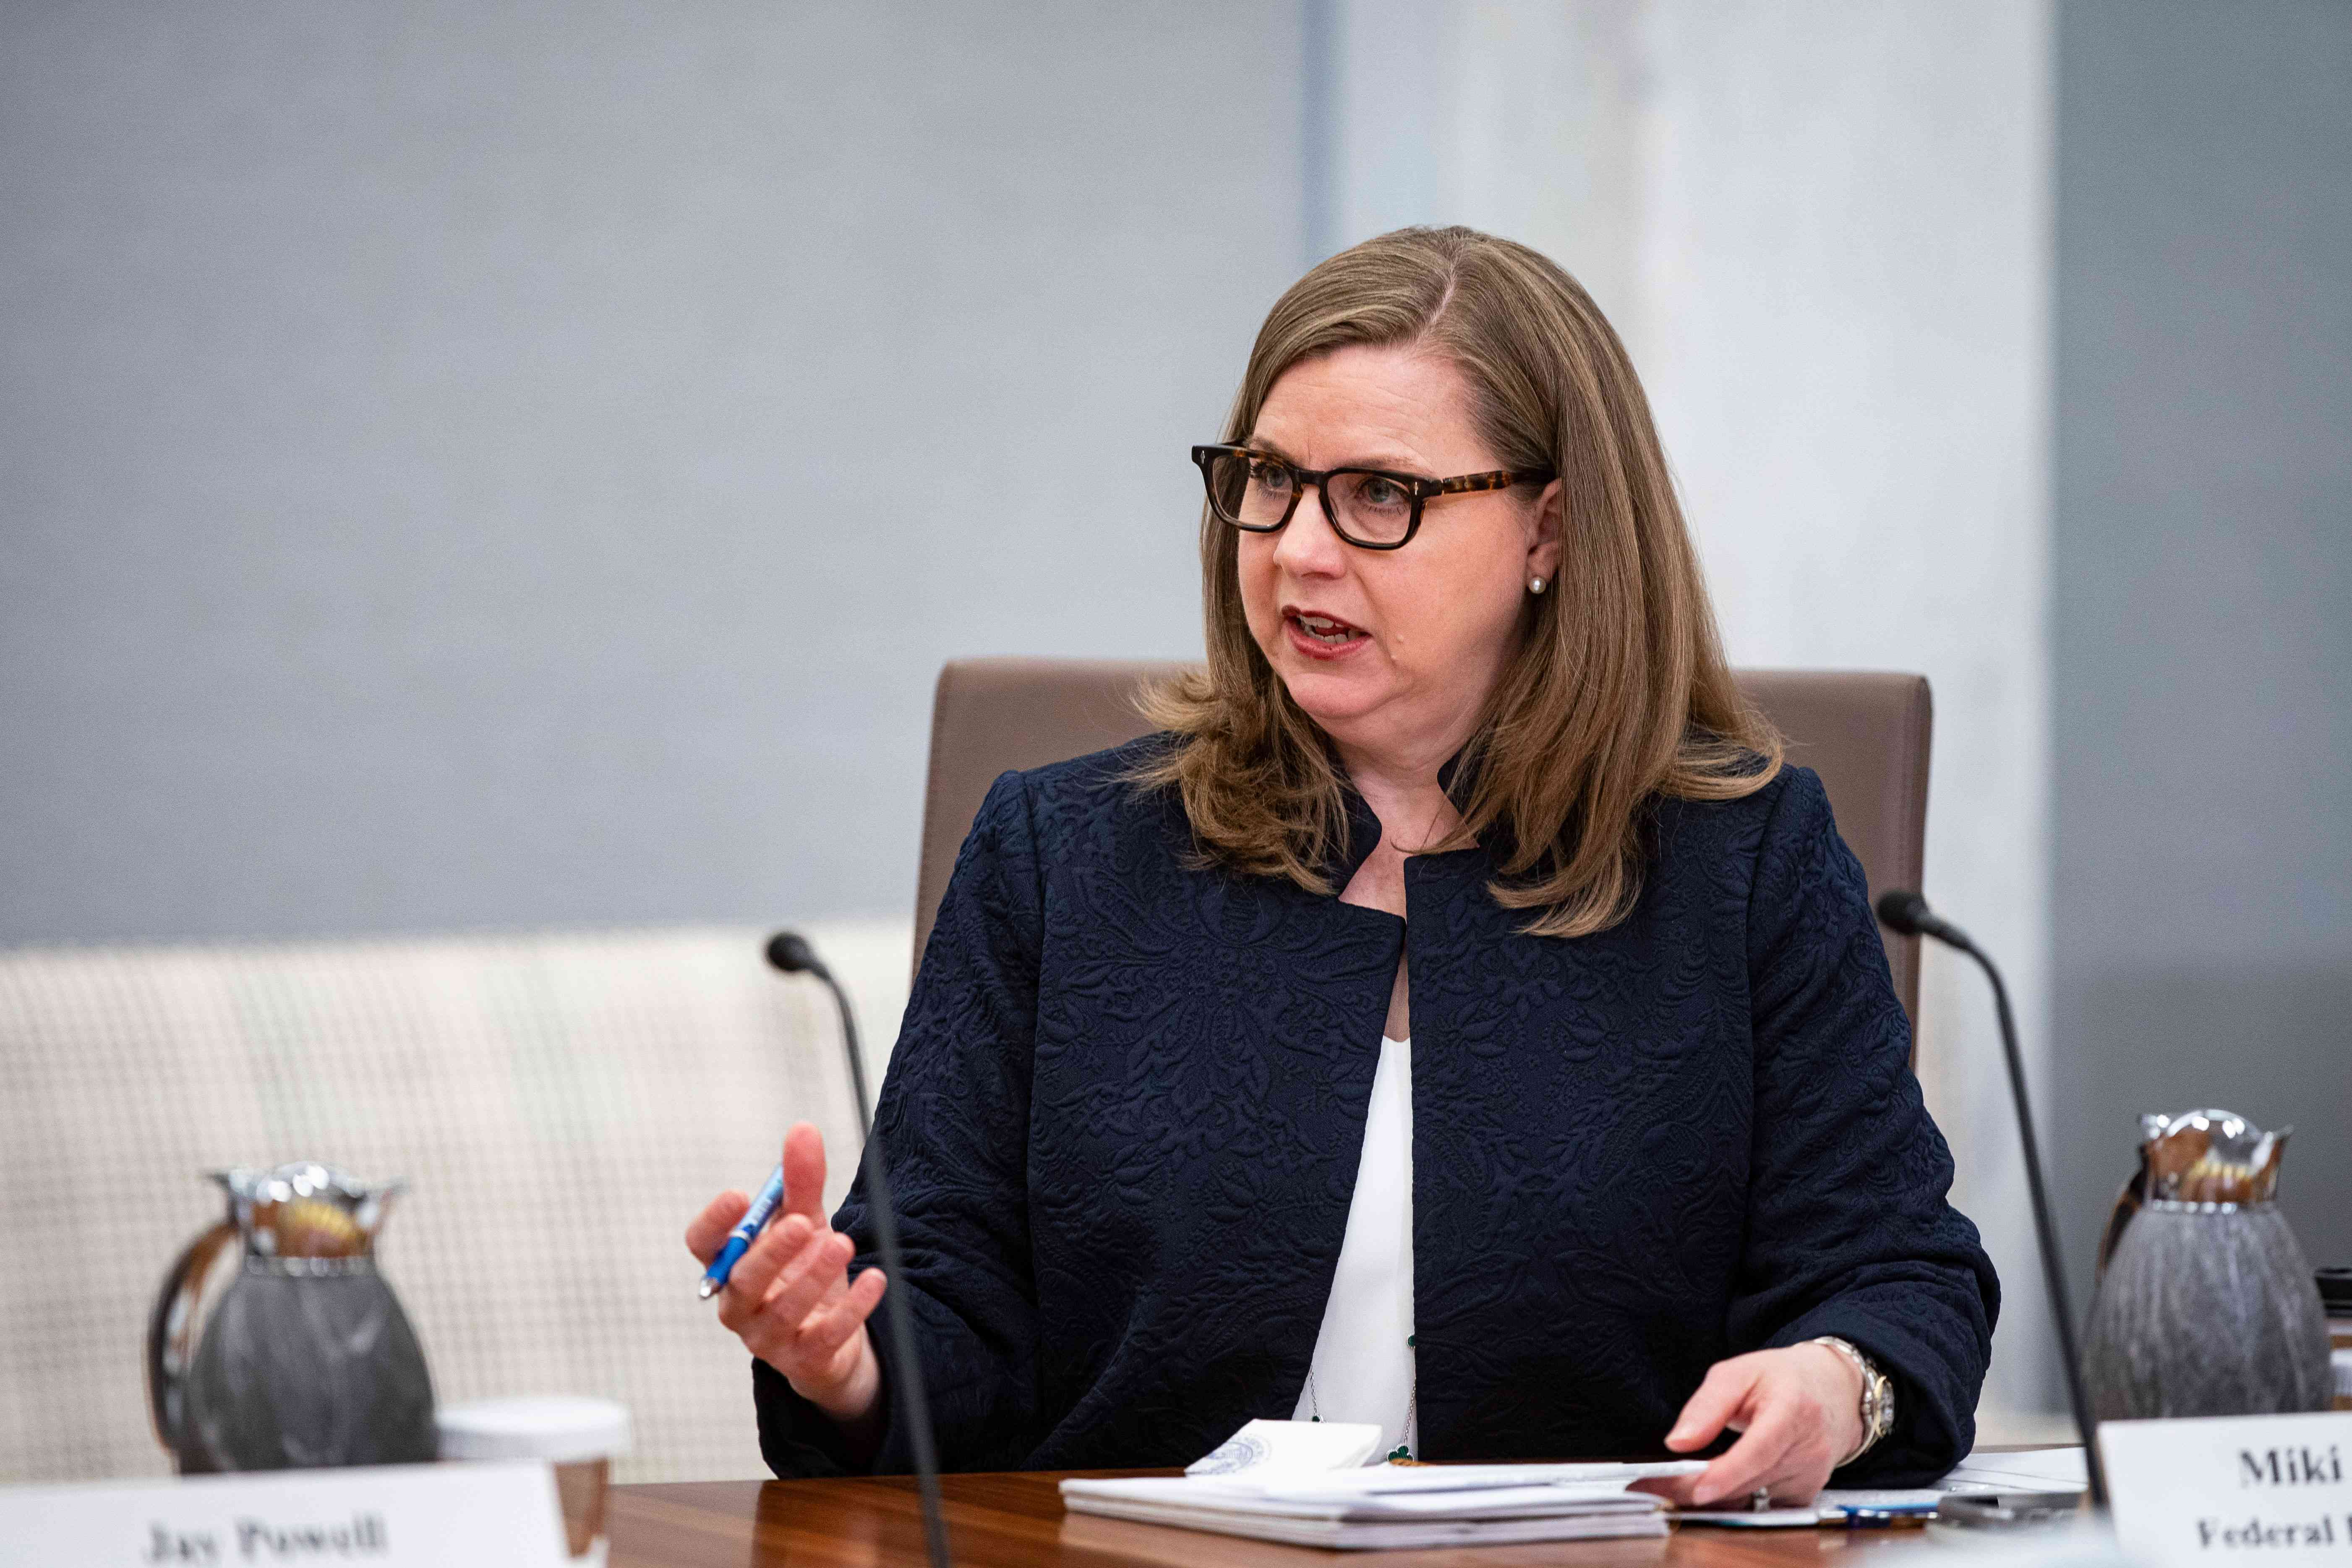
1866 732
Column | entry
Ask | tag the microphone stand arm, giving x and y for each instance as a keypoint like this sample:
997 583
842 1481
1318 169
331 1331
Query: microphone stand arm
2053 1272
912 1409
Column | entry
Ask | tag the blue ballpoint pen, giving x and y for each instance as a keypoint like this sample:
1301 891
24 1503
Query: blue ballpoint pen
739 1239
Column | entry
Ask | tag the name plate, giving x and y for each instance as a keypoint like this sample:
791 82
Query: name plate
391 1516
2233 1489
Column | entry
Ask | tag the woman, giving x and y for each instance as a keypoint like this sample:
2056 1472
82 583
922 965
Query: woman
1458 1018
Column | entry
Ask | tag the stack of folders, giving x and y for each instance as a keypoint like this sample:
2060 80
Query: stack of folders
1277 1486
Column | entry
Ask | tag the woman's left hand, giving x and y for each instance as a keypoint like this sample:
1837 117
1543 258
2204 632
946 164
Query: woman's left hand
1799 1411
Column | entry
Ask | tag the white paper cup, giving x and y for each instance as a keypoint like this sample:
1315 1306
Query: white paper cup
580 1438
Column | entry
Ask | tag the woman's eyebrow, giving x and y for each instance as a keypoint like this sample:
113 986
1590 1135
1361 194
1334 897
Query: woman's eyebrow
1392 462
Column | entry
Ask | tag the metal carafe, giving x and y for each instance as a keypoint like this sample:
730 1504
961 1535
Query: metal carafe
306 1359
2206 1306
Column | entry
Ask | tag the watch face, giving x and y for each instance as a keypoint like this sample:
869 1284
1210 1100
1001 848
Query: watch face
1878 1404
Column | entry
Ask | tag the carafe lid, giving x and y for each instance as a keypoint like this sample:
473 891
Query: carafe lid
306 1210
2211 1157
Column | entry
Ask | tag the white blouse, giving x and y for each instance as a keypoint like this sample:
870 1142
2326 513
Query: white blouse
1363 1365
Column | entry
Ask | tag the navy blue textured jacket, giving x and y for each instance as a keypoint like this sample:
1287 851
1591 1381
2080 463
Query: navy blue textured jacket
1127 1105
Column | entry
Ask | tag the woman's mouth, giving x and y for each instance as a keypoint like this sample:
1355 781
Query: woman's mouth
1322 636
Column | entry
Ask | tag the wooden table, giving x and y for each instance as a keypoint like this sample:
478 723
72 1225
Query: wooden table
1017 1518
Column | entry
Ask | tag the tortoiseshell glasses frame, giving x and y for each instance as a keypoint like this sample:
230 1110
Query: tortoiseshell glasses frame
1375 512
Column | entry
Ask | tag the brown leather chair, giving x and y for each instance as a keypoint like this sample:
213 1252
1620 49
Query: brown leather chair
1864 732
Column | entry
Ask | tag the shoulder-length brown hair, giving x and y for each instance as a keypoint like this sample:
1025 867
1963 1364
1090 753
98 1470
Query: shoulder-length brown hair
1617 693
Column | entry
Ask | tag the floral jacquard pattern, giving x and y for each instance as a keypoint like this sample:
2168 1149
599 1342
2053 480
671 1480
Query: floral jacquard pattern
1127 1106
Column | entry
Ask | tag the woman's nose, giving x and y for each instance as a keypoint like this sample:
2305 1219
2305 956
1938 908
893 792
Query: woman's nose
1306 546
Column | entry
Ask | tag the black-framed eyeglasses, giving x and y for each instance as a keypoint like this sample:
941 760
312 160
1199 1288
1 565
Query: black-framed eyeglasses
1371 509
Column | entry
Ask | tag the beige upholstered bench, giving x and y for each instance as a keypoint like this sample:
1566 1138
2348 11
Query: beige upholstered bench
560 1104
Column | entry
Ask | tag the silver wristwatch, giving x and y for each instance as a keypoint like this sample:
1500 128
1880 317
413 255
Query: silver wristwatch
1877 1397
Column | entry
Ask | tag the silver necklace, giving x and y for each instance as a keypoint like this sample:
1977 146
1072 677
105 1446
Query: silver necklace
1402 1452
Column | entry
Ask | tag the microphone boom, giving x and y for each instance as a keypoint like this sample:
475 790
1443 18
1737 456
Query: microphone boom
789 953
1907 912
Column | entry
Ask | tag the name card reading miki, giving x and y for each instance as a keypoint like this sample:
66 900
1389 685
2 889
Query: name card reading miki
393 1516
2233 1489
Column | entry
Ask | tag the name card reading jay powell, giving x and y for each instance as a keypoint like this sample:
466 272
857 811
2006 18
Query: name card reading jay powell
2233 1489
390 1516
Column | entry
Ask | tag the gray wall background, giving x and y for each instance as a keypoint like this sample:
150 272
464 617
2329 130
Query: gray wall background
2201 612
492 464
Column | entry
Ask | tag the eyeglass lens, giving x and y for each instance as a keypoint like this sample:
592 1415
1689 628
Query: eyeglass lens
1257 492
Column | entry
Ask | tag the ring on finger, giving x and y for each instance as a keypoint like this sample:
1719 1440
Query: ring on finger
1760 1500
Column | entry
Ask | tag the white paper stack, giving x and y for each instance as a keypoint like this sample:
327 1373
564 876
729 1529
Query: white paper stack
2021 1470
1261 1484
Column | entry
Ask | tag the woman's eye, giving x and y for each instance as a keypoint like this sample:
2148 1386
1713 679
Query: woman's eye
1270 476
1380 492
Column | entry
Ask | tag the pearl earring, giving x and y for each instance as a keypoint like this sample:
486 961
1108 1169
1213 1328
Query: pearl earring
1535 584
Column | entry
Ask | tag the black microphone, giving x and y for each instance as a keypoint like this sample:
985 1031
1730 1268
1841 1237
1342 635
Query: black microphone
1908 913
790 953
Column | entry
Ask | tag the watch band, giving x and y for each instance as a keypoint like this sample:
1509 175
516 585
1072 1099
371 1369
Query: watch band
1877 1397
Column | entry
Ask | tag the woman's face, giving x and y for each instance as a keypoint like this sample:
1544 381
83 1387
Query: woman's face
1410 640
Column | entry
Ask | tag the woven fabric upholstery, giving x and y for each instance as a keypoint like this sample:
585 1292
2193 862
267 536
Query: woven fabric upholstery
560 1104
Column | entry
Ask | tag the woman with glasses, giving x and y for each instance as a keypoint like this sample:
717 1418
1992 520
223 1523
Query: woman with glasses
1458 1018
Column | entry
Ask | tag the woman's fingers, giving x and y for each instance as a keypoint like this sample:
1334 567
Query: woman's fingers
827 1331
866 1292
747 1286
802 1284
790 1297
707 1232
1725 1399
803 1194
787 1303
1722 1400
804 1171
1761 1458
1790 1406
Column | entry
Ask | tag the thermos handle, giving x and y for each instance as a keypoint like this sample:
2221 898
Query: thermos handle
171 1333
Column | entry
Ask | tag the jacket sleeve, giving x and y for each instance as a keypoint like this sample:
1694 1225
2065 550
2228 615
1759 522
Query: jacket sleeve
953 1124
1849 1232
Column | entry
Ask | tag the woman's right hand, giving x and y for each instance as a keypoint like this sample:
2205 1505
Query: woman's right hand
790 1299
